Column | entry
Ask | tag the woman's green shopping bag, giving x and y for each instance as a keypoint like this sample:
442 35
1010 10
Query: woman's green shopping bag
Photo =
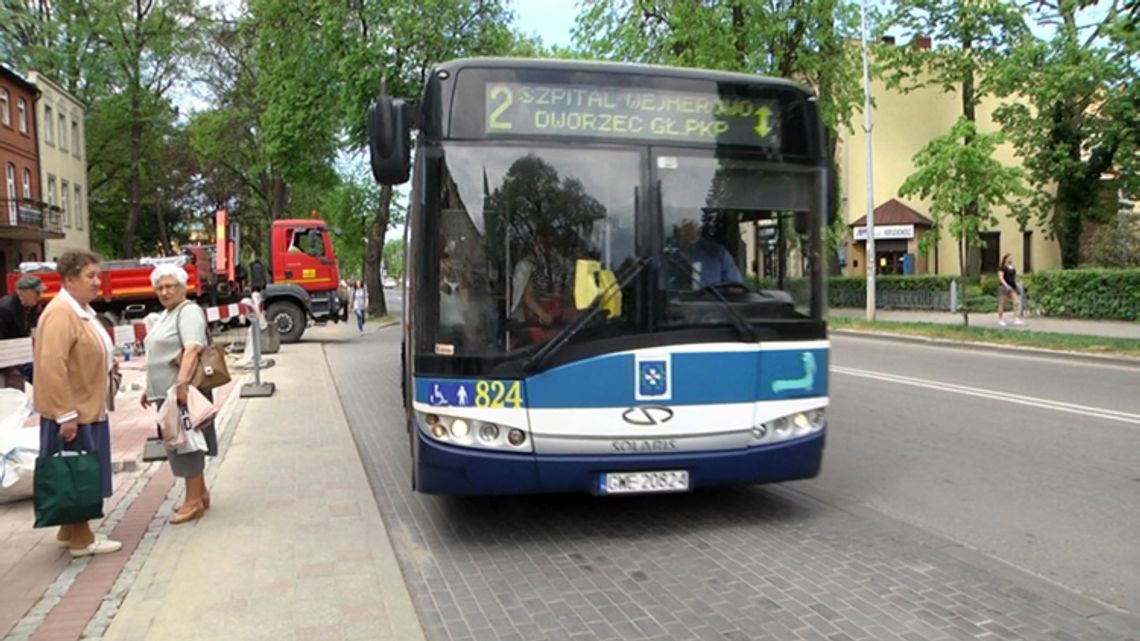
68 488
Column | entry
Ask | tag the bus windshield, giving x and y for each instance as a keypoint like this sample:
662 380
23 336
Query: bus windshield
513 224
516 224
736 239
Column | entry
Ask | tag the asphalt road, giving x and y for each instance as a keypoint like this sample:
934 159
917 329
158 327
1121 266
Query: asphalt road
965 495
1035 461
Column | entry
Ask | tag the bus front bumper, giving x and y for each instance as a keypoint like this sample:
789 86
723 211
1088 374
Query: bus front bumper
446 469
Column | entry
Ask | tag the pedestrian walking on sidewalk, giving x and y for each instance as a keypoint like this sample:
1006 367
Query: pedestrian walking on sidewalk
19 313
1007 279
359 304
172 349
74 364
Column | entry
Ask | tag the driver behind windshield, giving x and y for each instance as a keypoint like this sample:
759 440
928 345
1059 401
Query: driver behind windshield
709 259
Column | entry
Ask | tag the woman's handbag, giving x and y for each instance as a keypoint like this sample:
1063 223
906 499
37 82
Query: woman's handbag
211 370
68 488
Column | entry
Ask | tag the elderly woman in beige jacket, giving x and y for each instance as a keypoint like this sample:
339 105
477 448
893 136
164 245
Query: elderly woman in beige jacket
74 358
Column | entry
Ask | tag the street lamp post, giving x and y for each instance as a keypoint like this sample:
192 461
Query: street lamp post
871 258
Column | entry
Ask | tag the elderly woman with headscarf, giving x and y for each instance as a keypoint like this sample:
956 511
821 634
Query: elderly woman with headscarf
74 358
173 345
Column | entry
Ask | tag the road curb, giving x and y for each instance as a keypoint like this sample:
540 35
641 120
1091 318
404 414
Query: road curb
1100 359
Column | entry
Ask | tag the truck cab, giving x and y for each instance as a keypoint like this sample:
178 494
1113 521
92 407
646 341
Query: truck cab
303 254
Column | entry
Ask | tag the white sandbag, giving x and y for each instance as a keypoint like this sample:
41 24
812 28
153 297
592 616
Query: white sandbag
19 448
15 408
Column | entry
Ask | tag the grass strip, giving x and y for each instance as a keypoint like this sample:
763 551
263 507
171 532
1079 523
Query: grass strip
1006 336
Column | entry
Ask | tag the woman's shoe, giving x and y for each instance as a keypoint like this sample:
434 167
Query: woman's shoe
99 546
184 515
205 504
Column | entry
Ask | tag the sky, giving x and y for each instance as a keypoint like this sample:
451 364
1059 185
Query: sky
551 20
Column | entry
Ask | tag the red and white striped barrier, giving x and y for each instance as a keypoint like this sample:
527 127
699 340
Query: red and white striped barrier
17 351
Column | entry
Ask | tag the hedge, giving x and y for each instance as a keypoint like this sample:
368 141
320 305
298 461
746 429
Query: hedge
894 283
1088 293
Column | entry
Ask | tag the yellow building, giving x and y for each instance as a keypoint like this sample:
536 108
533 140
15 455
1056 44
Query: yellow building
903 125
63 163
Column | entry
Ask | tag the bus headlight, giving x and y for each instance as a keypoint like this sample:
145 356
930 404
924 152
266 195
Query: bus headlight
460 428
438 430
488 432
516 437
788 427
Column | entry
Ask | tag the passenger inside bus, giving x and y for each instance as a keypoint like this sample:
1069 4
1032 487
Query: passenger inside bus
708 259
538 288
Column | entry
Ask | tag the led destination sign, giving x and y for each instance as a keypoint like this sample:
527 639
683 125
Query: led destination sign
621 112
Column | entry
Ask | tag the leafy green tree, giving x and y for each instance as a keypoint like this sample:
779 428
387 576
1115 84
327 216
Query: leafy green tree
958 174
394 258
802 41
973 38
1074 114
121 58
296 46
397 43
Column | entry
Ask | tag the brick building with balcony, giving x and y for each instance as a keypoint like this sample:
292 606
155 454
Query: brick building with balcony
26 221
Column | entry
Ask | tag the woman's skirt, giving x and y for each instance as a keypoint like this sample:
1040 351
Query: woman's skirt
91 437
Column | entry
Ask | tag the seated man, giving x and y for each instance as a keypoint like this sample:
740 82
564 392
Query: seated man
709 259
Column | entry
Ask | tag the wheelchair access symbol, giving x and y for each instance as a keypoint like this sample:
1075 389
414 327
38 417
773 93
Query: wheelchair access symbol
803 383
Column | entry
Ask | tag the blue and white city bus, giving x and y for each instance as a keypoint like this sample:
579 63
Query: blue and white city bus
614 277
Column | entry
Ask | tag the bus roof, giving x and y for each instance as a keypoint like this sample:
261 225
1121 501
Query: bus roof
600 66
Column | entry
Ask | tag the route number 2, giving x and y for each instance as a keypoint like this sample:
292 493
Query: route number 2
498 394
505 94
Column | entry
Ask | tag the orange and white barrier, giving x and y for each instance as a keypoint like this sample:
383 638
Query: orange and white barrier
17 351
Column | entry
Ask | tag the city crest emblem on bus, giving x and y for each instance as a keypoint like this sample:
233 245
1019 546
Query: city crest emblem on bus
653 376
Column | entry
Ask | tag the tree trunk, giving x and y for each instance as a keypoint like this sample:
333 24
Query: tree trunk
163 235
963 248
375 253
1068 228
738 22
278 195
134 182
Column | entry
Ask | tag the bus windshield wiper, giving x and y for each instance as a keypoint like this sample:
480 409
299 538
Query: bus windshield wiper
590 313
742 324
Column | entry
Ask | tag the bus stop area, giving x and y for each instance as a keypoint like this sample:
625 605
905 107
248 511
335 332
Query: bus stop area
292 547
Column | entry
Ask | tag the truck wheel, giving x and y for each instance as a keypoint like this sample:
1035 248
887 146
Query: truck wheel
288 319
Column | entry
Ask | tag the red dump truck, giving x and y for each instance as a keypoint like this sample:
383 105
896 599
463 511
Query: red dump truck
300 285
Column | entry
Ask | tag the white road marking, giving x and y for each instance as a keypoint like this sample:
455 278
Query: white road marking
1031 401
997 353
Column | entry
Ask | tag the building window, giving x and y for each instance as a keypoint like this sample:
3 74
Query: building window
991 251
10 174
51 190
1027 252
78 207
62 132
5 108
49 138
75 137
27 183
65 202
22 114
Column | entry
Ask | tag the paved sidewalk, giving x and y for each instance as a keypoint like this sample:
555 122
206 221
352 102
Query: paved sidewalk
1108 329
30 562
293 546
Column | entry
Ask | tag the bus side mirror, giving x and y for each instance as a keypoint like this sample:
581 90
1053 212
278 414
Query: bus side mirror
390 140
